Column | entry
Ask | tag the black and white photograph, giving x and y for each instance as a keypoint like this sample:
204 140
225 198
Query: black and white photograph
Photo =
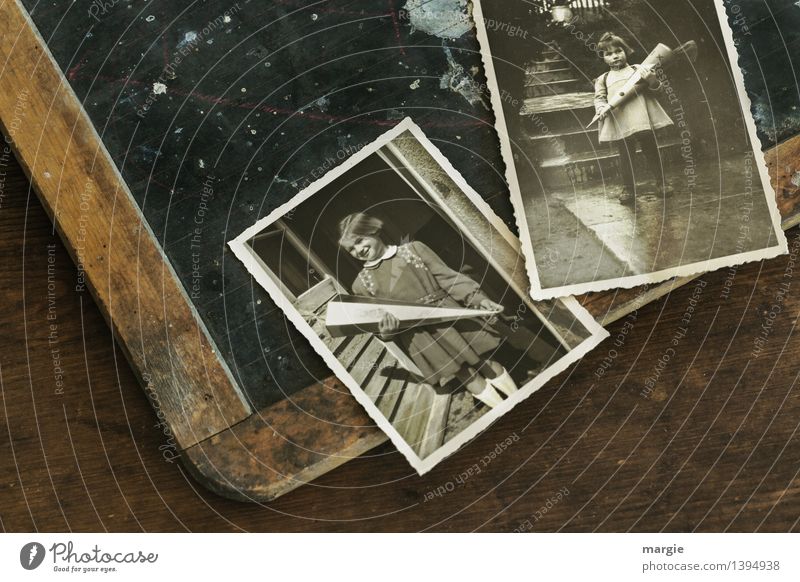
414 293
631 153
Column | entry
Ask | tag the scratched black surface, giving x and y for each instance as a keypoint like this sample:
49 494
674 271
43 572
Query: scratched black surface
263 99
256 107
767 36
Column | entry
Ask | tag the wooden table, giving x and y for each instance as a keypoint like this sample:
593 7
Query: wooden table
710 445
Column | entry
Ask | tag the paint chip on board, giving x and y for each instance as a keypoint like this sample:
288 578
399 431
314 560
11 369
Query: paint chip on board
188 38
442 18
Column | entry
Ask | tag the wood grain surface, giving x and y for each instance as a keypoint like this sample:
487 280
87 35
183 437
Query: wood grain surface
121 263
782 163
683 420
712 446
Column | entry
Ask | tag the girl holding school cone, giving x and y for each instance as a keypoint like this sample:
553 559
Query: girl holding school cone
634 121
412 272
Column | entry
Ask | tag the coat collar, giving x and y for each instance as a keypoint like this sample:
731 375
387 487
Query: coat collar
391 251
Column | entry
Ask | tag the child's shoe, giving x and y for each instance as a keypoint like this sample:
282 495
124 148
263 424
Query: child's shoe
504 383
662 189
625 196
489 396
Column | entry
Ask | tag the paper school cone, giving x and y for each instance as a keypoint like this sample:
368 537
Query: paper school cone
353 315
658 57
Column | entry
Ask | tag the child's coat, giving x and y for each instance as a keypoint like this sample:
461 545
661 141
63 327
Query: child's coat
417 274
642 112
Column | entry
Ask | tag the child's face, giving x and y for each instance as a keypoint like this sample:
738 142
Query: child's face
366 248
615 56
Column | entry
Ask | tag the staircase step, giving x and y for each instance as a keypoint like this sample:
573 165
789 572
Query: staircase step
549 63
562 102
565 87
543 83
348 352
392 390
561 123
538 77
433 436
415 428
562 133
464 411
367 363
603 153
377 382
404 411
318 325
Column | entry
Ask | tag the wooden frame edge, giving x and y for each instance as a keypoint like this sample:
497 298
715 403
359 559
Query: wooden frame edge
782 159
58 143
81 189
272 453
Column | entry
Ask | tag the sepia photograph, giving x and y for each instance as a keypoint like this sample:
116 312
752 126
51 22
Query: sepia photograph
631 153
415 294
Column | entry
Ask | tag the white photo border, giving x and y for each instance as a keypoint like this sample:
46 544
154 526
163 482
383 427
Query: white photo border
244 252
697 268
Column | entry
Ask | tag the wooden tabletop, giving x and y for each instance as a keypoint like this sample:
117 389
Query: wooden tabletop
685 419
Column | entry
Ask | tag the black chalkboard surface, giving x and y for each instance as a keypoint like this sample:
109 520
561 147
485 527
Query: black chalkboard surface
767 37
217 112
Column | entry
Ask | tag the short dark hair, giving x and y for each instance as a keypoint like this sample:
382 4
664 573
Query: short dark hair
358 224
609 39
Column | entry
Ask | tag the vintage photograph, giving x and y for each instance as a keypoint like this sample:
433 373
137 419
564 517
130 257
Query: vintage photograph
630 150
414 293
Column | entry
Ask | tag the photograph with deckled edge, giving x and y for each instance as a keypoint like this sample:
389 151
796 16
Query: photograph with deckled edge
631 154
414 293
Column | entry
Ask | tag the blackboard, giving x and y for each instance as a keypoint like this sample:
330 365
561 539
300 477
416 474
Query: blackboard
215 113
259 98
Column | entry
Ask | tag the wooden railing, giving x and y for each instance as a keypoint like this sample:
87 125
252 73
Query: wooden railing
581 6
418 412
